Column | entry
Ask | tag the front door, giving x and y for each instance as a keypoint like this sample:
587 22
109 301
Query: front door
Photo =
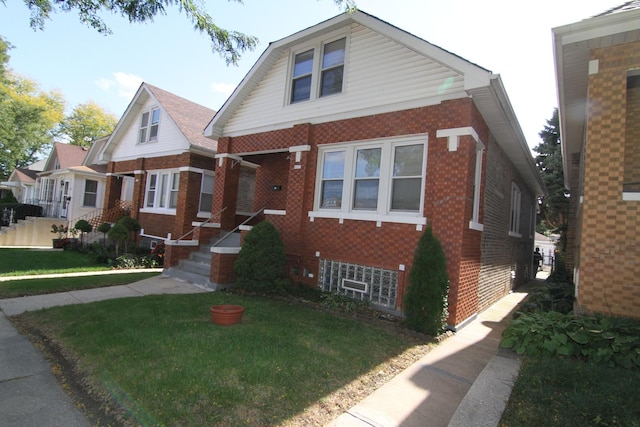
64 199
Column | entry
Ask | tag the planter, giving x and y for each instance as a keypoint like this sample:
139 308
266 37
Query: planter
59 243
226 314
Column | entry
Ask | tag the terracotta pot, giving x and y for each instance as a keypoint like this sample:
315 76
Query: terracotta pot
226 314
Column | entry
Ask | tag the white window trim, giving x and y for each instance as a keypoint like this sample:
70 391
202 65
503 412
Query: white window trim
515 206
316 71
205 214
149 110
475 224
84 193
157 197
383 213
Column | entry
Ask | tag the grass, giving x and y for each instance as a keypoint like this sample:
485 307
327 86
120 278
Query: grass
163 360
30 262
27 287
27 262
570 393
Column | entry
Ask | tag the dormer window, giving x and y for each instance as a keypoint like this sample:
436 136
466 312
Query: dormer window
313 77
149 126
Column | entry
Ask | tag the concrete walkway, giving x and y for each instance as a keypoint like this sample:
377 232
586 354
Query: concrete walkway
464 381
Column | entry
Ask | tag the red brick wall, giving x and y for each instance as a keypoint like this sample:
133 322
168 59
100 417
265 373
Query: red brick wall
448 198
501 253
188 197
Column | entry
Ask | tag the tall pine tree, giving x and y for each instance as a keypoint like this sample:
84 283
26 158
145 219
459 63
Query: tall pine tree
555 206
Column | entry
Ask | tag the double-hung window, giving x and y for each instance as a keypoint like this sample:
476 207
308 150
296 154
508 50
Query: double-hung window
162 190
90 193
318 72
514 216
149 124
381 180
206 193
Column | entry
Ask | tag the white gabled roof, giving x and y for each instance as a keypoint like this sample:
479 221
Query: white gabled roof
482 85
188 117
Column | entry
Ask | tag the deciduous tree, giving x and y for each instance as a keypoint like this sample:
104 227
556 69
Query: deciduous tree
87 123
228 43
29 118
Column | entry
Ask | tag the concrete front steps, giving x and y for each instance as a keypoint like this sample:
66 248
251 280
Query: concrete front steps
197 268
31 231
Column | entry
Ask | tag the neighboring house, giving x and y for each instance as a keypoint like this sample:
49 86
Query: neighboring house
354 136
160 166
70 186
598 77
22 181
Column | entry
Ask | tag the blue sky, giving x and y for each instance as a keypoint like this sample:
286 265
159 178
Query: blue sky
508 37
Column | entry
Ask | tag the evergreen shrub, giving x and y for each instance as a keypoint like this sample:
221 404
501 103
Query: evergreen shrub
261 261
425 303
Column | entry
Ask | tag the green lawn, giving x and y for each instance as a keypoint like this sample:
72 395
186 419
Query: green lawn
26 287
569 393
29 262
162 359
23 262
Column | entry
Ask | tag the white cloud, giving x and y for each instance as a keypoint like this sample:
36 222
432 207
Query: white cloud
124 84
225 89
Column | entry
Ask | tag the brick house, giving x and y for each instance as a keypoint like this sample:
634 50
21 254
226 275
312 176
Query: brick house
598 77
352 137
160 166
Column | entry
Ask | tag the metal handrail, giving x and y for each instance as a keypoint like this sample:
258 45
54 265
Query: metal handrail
216 215
237 227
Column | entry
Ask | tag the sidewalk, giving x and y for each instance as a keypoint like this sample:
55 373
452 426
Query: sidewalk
30 394
464 381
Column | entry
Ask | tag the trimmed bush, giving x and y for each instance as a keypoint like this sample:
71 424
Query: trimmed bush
261 261
425 303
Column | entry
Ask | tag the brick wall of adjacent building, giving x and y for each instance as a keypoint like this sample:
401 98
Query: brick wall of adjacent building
609 274
448 203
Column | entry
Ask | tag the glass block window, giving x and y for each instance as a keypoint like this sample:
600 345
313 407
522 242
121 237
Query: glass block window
361 282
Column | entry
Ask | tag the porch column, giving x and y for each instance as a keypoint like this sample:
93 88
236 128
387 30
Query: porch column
113 188
225 190
137 202
299 172
188 200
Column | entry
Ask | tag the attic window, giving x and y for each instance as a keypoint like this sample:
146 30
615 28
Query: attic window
315 77
149 126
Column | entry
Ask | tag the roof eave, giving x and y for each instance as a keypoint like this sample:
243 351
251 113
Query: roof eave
574 42
494 105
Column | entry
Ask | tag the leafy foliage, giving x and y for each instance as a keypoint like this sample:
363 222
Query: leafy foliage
86 123
261 261
425 304
597 339
228 44
341 302
119 234
29 118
